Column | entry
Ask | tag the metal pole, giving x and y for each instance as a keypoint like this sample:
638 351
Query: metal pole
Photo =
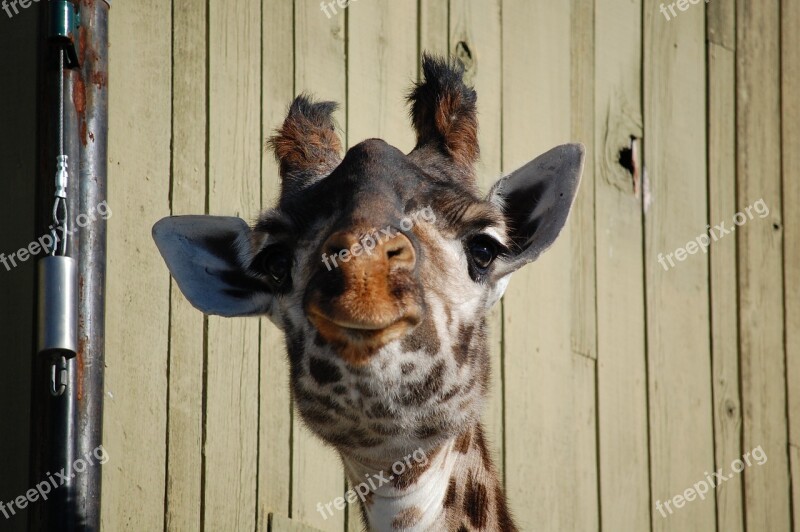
93 118
68 428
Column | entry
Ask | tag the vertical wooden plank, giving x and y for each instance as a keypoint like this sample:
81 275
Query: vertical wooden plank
234 163
187 325
548 413
678 330
476 40
434 25
761 333
382 63
621 369
584 319
319 69
790 104
583 328
275 409
721 28
137 308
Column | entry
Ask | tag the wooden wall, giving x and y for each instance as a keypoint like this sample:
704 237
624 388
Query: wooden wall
617 384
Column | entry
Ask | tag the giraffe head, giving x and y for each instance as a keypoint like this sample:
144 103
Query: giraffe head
380 267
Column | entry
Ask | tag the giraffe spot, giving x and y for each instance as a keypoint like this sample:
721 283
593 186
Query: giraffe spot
427 431
504 519
463 441
384 430
424 338
480 444
380 410
407 518
411 475
408 367
461 349
452 493
419 392
476 503
323 371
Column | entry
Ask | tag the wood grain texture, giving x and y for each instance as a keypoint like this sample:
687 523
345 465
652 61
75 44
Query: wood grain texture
434 25
317 475
549 418
790 107
721 31
382 64
621 370
760 248
275 408
476 40
231 434
137 308
582 220
187 325
678 331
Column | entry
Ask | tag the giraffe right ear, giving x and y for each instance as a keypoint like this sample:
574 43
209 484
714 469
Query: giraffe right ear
203 255
536 201
306 146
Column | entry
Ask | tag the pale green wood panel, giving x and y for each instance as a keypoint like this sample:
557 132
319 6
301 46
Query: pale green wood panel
382 64
790 107
548 414
722 202
621 370
760 269
137 308
187 325
234 161
678 346
275 409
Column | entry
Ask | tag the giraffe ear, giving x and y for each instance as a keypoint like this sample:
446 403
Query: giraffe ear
444 114
203 255
306 146
536 201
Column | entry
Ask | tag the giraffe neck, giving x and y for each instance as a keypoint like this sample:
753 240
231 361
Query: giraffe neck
455 487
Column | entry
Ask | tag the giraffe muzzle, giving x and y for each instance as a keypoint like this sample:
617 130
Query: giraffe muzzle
371 296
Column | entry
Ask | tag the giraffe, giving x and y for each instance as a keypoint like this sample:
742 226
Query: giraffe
380 267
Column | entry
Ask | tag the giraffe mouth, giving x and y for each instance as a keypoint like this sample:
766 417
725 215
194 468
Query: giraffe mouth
357 341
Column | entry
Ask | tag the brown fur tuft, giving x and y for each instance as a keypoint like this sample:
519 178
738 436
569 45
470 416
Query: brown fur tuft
444 113
306 145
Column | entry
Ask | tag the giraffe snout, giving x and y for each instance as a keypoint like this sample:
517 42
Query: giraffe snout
366 294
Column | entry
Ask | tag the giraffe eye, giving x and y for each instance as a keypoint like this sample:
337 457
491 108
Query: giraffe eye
276 263
482 250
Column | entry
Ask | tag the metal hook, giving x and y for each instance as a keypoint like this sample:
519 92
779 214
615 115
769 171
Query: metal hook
58 377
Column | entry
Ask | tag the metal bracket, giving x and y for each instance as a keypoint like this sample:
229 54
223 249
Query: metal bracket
64 22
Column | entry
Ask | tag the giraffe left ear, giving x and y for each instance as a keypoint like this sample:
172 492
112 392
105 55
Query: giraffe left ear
536 201
203 254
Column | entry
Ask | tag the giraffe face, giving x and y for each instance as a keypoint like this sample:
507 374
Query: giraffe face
380 267
387 343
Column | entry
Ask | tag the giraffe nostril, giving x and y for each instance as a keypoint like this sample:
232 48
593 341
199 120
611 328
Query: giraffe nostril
400 252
